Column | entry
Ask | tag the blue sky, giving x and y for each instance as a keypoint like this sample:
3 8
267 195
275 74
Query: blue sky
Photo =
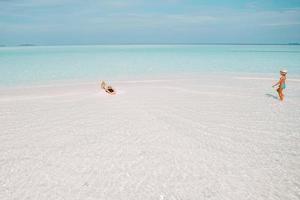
54 22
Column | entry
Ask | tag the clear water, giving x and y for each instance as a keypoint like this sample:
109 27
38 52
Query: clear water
40 64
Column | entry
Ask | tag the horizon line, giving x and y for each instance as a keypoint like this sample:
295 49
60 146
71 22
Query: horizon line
163 43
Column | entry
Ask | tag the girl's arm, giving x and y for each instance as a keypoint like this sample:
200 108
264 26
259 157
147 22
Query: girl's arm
279 82
276 84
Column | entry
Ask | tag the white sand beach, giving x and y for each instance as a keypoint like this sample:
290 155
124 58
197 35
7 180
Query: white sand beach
215 137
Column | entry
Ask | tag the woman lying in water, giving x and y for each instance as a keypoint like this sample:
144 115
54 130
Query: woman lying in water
108 88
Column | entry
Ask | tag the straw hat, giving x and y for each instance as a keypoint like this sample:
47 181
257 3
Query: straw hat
283 71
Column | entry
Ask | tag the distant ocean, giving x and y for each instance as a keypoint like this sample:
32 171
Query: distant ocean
43 64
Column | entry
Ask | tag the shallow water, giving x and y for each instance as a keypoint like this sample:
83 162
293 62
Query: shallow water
42 64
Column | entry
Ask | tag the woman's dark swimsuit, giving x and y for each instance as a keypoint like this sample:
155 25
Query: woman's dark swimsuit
110 90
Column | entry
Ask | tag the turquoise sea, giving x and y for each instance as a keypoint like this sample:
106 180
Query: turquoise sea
43 64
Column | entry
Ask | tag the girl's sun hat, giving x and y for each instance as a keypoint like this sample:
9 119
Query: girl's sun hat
283 71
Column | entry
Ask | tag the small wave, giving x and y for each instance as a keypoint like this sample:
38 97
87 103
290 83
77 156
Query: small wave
265 78
269 51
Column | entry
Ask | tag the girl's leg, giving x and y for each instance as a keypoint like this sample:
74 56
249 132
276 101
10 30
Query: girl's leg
280 94
278 91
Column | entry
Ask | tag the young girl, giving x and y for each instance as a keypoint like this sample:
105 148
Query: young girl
281 84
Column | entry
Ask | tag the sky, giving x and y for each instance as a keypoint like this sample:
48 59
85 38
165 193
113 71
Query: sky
64 22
